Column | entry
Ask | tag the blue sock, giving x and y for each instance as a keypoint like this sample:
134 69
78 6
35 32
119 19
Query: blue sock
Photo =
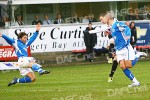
25 79
128 73
37 68
134 61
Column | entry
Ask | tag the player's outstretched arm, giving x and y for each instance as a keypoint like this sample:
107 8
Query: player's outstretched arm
102 29
94 31
9 40
34 36
38 27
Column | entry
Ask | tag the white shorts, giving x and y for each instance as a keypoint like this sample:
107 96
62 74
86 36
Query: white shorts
126 53
24 69
23 62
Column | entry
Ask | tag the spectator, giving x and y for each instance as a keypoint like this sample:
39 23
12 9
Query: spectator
130 16
19 21
85 19
6 21
137 16
90 41
59 19
47 21
133 38
146 14
92 18
75 19
36 21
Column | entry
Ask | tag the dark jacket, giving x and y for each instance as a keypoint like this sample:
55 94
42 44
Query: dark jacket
90 39
56 21
75 20
133 34
129 17
35 22
93 20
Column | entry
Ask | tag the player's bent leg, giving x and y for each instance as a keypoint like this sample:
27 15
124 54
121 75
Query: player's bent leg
113 69
126 70
29 62
137 56
130 57
37 68
122 64
30 77
134 84
128 73
14 81
134 61
128 63
141 54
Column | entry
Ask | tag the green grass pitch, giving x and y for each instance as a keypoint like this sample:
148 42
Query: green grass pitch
86 82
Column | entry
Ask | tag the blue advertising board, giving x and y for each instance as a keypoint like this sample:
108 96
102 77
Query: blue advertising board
143 33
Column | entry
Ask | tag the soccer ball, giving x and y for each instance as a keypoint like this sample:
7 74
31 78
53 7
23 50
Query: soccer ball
23 62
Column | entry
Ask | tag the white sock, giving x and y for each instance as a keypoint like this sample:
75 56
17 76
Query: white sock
18 80
135 49
135 80
139 54
40 70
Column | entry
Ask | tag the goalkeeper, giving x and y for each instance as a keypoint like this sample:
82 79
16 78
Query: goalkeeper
26 64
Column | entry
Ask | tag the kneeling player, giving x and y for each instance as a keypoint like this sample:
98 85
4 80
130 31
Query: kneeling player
26 64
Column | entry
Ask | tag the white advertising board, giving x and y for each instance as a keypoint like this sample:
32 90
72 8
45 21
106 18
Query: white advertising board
8 65
60 38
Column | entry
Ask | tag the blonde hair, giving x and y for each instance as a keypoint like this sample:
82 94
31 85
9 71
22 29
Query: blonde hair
110 14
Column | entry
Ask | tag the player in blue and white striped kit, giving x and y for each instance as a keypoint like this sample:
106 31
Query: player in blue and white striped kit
26 64
124 51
